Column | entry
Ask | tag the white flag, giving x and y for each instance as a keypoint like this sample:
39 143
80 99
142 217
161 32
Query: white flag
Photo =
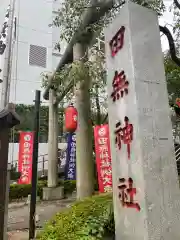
3 42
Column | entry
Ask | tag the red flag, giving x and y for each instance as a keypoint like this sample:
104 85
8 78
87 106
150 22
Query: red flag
103 158
25 157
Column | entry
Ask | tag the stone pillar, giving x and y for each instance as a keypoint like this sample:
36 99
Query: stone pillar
84 157
52 151
53 192
146 191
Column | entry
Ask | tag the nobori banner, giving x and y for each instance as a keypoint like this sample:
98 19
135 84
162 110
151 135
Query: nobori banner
103 158
70 169
25 157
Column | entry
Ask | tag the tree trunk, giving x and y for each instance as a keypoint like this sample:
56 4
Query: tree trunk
84 154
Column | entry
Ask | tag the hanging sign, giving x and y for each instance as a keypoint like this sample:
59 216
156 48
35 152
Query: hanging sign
103 158
25 157
70 168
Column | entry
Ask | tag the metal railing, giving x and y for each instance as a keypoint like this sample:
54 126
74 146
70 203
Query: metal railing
42 160
177 154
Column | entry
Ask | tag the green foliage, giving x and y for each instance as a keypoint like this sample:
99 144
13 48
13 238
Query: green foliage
70 16
19 191
68 20
88 219
173 78
70 72
79 71
58 79
69 186
14 175
26 113
157 5
176 25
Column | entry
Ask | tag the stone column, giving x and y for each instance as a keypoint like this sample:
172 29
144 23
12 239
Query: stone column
145 183
52 148
84 157
53 192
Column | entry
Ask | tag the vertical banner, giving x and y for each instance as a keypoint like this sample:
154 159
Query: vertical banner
103 158
70 168
25 157
3 42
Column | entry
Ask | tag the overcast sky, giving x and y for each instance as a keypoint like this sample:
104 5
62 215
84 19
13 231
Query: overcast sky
167 18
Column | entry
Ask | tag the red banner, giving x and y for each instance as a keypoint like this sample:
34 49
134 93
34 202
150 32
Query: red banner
103 158
25 157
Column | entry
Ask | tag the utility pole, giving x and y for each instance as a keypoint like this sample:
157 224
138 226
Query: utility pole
8 59
34 166
84 154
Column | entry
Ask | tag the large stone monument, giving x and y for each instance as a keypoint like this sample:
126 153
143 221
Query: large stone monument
145 182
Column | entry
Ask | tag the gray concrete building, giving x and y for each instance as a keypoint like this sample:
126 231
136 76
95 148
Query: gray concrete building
33 51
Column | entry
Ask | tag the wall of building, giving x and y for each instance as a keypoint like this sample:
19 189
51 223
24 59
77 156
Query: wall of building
43 151
29 62
33 20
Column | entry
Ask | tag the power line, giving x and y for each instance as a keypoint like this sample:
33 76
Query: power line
33 29
24 80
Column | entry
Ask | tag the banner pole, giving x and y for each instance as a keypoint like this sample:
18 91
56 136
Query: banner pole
34 167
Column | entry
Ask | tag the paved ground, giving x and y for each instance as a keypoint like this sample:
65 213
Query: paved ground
18 235
18 216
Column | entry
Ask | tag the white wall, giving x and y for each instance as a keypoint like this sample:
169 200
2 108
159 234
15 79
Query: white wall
43 149
33 19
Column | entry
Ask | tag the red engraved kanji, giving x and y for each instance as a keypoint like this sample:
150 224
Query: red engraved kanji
124 135
118 135
128 135
117 41
120 86
127 193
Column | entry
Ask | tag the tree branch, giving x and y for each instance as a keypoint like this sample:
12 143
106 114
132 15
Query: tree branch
172 47
177 4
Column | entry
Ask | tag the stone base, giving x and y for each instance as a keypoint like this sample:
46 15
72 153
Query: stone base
53 193
28 200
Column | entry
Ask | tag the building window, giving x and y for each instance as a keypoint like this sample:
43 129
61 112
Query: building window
37 56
